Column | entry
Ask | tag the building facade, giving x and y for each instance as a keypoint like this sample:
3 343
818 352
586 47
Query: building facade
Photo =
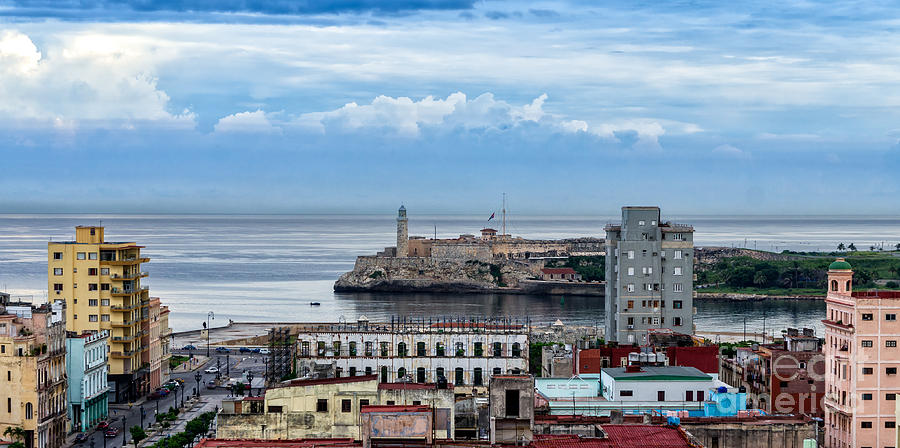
86 368
655 385
165 345
466 354
100 282
862 359
33 371
649 276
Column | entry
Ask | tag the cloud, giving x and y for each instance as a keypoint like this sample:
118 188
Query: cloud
85 81
247 122
730 151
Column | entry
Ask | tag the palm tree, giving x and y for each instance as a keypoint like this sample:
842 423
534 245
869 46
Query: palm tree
897 246
17 433
841 247
872 248
852 247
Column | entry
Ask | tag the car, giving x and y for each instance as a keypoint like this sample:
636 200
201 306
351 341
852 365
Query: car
263 351
222 349
111 432
103 425
81 437
245 350
189 347
158 393
171 385
211 384
179 380
212 370
256 350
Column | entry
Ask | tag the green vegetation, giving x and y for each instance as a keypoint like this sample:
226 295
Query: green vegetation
534 356
498 276
807 274
376 274
17 433
729 349
591 268
193 428
137 434
168 416
177 360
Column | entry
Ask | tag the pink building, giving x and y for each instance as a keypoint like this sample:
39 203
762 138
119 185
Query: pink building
862 358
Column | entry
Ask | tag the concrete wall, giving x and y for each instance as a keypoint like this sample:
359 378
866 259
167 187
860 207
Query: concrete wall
461 251
738 435
396 425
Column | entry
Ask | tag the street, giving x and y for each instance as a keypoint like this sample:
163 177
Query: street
124 416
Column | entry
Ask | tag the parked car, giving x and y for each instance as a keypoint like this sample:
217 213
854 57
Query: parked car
245 350
111 432
256 350
80 438
212 370
179 380
222 349
172 385
263 351
211 384
189 347
103 425
158 393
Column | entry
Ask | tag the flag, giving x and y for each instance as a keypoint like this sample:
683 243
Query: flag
492 217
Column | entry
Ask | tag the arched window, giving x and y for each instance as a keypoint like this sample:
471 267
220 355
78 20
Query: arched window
439 349
498 349
834 285
401 349
401 372
29 411
516 350
848 286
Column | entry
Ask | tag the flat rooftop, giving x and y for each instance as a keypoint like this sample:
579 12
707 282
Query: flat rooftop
663 373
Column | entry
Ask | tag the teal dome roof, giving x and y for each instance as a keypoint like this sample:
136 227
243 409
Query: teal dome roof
839 264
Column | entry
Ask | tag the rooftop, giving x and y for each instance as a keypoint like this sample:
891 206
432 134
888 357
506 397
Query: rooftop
410 386
619 436
395 408
652 373
273 443
319 381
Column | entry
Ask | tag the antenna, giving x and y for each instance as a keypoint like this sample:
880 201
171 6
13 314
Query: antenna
504 215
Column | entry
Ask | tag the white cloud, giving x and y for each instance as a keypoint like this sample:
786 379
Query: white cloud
247 122
82 80
731 151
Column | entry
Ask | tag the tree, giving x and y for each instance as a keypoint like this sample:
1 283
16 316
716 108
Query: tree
872 248
852 247
897 246
760 279
17 433
841 247
137 434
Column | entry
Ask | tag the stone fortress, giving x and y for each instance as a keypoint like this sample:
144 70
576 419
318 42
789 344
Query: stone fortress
468 263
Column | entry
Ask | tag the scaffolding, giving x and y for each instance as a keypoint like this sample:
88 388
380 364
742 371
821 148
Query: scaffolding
280 362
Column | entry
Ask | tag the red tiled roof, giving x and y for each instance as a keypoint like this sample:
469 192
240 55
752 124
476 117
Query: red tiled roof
558 271
488 229
877 294
395 408
340 380
619 436
273 443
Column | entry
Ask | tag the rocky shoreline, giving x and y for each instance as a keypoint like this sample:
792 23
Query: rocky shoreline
737 297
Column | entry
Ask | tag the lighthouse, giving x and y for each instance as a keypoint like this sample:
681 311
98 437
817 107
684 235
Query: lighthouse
402 233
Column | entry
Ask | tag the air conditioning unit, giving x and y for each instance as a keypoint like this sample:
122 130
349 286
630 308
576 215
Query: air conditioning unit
631 327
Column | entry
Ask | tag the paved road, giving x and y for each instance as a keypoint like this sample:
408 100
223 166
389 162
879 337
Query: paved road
123 417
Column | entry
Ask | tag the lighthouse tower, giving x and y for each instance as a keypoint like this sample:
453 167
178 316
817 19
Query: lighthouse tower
402 233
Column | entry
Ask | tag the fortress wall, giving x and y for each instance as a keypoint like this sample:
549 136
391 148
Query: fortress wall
461 251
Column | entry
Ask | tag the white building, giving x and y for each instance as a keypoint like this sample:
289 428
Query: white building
464 353
87 369
655 385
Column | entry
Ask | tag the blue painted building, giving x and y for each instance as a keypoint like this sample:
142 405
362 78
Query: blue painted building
87 367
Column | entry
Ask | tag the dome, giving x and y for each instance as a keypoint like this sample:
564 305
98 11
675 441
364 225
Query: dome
839 265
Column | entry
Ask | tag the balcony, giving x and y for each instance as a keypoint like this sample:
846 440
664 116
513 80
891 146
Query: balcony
128 276
128 338
117 292
127 261
131 307
129 323
838 324
125 354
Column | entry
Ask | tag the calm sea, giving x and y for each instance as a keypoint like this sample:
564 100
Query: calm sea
269 268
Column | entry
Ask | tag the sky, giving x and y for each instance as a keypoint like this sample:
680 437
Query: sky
357 106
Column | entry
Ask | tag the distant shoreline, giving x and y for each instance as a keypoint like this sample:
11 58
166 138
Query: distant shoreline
738 297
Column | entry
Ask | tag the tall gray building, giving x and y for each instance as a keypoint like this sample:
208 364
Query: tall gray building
649 276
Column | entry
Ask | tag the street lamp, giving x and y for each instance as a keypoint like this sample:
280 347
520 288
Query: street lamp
250 380
209 316
142 412
198 376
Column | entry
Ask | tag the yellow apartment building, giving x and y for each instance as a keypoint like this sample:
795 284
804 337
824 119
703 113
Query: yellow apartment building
33 372
100 282
165 344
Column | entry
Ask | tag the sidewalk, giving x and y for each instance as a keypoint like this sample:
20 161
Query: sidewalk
198 362
193 408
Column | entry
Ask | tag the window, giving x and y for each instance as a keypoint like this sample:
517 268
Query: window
29 412
866 425
783 384
677 321
866 397
439 373
630 321
866 343
677 304
57 256
497 371
57 271
516 350
867 316
336 347
678 237
401 372
458 381
677 254
104 318
498 349
275 409
631 255
512 403
630 304
479 349
631 271
677 287
80 255
92 287
890 370
677 270
890 317
420 375
867 370
322 405
384 374
92 318
57 286
401 349
420 349
640 223
104 286
890 425
104 302
92 255
476 377
892 343
384 349
346 405
439 349
92 271
368 348
630 287
363 402
890 397
92 302
352 371
460 349
368 371
689 395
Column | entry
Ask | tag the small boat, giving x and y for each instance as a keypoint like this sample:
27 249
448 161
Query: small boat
314 303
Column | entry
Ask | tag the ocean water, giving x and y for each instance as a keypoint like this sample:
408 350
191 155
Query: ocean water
269 268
